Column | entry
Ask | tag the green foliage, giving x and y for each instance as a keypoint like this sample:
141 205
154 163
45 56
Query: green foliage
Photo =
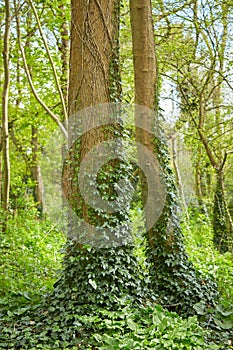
198 235
29 254
144 327
148 328
97 303
104 277
220 317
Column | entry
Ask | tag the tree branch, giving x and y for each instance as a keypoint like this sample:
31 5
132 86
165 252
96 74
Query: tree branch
41 102
50 60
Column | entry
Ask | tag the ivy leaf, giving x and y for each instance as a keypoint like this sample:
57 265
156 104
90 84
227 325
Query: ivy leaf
223 311
224 324
200 308
92 283
97 337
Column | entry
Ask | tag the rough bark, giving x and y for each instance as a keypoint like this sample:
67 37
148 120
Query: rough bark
91 41
91 51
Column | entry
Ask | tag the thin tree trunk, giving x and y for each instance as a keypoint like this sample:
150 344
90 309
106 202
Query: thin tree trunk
178 176
27 71
36 173
198 187
5 94
38 190
64 49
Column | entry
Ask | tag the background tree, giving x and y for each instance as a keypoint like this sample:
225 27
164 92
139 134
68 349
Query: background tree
199 69
5 115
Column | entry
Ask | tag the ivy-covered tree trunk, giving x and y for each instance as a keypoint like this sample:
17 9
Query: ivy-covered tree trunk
222 223
99 264
173 277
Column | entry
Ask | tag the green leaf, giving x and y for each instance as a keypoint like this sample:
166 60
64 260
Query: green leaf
224 324
92 283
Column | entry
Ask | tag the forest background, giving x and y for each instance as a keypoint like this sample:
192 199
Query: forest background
193 103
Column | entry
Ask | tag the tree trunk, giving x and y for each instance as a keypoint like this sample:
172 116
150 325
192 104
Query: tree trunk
145 80
5 131
38 190
64 49
178 176
94 80
90 57
91 32
222 222
173 277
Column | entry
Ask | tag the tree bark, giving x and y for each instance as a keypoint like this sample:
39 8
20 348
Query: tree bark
92 25
92 79
222 222
91 41
5 95
145 81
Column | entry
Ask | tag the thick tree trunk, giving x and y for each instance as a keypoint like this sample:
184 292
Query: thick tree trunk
91 41
90 57
94 80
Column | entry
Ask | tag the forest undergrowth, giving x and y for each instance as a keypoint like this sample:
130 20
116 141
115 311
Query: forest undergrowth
31 257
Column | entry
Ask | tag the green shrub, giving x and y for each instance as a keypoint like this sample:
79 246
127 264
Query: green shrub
29 255
144 327
199 245
149 328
